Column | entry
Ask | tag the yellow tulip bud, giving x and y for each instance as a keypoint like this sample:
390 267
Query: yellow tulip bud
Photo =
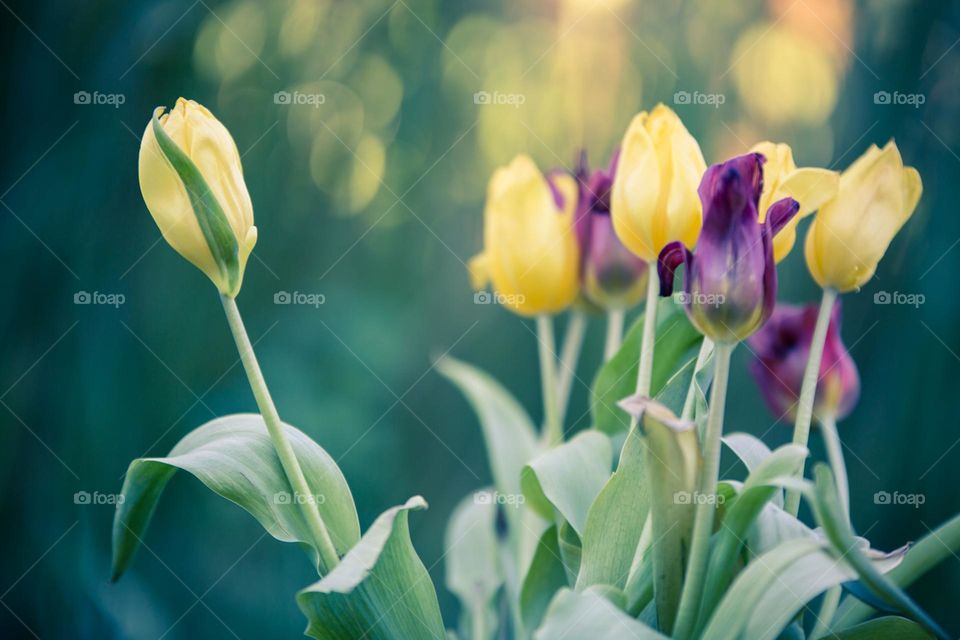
877 195
809 186
654 199
530 251
192 182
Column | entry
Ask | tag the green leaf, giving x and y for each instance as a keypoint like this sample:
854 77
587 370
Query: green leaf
935 547
545 577
616 520
673 464
590 616
887 628
568 478
472 556
379 591
677 344
830 516
751 450
761 486
508 432
234 457
213 223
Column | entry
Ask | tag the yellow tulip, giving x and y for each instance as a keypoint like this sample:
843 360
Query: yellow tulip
654 199
877 195
809 186
192 182
530 251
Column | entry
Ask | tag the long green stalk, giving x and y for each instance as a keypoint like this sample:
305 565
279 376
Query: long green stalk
291 466
569 356
552 427
808 392
831 438
614 333
705 506
645 370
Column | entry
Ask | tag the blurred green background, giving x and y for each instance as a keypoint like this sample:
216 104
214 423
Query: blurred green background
367 178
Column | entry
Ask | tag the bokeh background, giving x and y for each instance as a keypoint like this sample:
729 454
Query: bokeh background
368 178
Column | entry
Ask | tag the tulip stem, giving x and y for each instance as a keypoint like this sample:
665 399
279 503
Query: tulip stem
327 553
690 403
552 428
614 333
831 438
705 504
645 368
828 608
569 356
808 392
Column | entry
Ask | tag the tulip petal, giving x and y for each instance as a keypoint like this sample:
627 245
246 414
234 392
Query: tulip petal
672 256
780 214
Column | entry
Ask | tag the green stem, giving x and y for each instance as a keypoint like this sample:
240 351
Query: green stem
569 356
690 403
552 428
328 557
808 392
831 438
705 507
645 369
479 626
828 608
614 333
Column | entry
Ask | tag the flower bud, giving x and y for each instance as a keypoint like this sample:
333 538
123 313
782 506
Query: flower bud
782 348
654 198
809 186
850 234
611 276
192 183
530 252
730 280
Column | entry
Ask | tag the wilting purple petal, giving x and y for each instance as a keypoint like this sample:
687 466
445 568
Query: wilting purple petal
671 257
780 213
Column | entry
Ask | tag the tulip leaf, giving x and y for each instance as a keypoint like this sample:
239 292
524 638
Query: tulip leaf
751 450
677 344
210 216
508 432
544 578
887 628
616 520
379 591
938 545
234 457
591 615
472 555
568 478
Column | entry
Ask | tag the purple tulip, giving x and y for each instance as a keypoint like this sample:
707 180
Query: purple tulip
782 348
730 279
611 276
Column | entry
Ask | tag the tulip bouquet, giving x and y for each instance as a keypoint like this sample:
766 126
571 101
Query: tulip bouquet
624 530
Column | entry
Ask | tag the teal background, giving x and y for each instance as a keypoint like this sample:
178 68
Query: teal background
85 389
